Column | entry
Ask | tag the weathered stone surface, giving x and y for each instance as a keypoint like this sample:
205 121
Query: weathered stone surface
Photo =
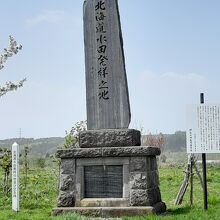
109 138
80 153
66 199
129 151
138 180
159 208
109 212
146 180
152 179
91 211
106 82
106 202
138 164
141 197
157 194
126 211
108 152
151 163
156 178
67 182
67 166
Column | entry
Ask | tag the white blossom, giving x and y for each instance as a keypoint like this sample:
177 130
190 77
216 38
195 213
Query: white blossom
10 86
12 49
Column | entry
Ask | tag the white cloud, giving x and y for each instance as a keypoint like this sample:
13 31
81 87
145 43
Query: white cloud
188 76
147 75
50 17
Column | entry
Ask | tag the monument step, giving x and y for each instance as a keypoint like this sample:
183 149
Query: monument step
106 202
112 212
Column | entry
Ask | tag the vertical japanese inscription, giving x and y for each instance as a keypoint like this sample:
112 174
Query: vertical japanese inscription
203 131
15 177
102 58
107 98
14 173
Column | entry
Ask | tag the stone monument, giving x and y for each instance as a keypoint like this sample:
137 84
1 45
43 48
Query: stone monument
106 82
110 174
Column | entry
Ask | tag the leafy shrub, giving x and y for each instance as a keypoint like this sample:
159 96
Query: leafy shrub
40 162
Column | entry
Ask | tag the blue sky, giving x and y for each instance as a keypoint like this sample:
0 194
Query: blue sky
172 54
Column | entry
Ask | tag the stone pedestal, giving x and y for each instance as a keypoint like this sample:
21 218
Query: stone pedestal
138 190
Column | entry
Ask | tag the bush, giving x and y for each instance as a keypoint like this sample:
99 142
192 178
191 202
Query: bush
40 162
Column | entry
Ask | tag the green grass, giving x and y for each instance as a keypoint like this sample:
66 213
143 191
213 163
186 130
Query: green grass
39 197
36 200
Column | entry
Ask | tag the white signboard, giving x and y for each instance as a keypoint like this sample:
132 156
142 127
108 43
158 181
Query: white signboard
203 128
15 177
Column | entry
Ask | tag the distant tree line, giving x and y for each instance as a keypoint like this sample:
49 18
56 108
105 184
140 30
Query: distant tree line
39 147
173 142
46 146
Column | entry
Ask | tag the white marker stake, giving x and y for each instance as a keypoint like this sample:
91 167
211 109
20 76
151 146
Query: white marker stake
15 177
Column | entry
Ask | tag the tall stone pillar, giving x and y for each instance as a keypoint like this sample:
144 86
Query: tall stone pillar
110 174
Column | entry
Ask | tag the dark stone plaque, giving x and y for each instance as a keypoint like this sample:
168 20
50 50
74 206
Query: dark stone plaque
103 181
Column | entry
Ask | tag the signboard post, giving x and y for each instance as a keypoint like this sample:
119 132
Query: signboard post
15 177
203 134
204 168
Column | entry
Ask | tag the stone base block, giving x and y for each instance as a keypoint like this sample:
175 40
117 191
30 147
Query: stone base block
109 138
113 212
134 151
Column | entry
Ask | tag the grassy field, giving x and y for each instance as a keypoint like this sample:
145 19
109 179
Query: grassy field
39 197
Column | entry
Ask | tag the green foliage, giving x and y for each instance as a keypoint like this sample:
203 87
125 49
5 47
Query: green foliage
5 164
57 161
73 216
40 162
72 138
36 200
5 159
39 197
25 161
70 141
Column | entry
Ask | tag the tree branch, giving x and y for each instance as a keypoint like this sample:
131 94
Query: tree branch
12 49
10 86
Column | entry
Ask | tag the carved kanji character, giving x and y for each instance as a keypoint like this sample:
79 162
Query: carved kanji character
102 72
103 95
103 85
100 16
102 49
102 59
101 39
100 5
100 28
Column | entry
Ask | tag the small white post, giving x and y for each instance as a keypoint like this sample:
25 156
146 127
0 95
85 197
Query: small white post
15 177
